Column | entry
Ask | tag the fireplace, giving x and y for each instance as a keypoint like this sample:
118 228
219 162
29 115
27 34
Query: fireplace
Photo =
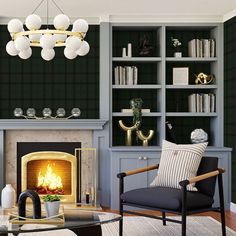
62 168
51 173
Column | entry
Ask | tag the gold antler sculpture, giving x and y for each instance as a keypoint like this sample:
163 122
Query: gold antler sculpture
203 78
128 131
144 138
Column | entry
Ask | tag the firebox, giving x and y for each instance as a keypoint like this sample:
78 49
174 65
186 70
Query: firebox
50 173
62 168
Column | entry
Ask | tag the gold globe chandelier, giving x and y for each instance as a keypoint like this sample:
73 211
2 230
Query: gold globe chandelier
30 35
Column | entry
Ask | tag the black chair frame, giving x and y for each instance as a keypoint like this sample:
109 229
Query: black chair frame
183 212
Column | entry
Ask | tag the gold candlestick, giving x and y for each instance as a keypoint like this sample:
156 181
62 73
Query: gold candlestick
144 138
128 132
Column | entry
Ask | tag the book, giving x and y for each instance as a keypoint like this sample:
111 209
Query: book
116 72
192 102
206 47
135 75
212 102
212 48
192 48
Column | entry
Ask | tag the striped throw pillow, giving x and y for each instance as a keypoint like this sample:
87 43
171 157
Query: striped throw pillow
178 162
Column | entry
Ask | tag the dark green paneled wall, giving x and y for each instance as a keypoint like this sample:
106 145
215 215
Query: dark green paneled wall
58 83
230 93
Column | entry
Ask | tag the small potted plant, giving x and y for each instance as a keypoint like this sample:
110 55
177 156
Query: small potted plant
176 44
52 204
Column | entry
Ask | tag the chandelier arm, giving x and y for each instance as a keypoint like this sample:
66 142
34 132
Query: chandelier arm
38 6
81 35
58 7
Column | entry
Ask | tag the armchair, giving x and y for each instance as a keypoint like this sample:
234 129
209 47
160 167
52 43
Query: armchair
177 201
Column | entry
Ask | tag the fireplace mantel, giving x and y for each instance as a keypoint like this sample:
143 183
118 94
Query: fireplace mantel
49 124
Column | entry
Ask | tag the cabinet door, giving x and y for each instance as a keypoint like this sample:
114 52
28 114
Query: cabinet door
134 181
124 161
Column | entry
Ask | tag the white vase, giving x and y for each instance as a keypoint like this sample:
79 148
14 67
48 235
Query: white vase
52 208
178 54
8 196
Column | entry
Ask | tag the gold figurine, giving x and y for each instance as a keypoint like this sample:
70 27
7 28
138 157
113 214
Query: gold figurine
204 79
128 131
144 138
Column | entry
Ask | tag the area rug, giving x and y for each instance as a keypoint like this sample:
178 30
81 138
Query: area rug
141 226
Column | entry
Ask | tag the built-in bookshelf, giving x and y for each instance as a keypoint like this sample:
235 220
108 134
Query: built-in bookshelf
154 80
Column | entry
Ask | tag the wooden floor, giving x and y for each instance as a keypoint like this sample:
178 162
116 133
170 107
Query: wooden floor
230 217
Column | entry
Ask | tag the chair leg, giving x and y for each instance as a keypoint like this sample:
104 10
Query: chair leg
184 210
222 208
121 221
164 218
183 224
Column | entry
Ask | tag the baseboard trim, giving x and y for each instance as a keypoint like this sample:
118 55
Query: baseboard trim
233 207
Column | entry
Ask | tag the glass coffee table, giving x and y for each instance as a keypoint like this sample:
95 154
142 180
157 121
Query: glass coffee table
81 222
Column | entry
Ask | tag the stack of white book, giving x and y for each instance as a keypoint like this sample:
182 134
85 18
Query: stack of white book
204 102
126 75
202 48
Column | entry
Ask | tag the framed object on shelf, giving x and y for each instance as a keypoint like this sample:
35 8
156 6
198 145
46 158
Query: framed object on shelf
180 75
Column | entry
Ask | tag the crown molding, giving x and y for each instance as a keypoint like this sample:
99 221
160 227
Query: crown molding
141 18
229 15
165 19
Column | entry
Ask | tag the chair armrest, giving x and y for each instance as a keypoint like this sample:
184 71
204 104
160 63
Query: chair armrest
201 177
137 171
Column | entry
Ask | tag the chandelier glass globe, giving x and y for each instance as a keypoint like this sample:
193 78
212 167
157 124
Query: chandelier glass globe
15 26
61 22
34 37
47 41
33 22
70 54
22 43
84 49
23 38
80 25
11 49
48 54
25 54
73 43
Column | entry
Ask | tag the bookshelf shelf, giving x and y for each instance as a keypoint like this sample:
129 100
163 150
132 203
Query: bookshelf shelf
191 59
191 86
139 86
191 114
136 59
148 114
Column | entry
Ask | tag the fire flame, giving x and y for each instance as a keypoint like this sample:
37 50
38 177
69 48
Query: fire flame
49 183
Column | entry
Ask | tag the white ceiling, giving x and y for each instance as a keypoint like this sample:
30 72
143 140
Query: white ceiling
211 9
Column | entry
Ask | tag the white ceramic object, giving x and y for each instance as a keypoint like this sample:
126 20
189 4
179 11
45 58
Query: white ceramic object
178 54
52 208
8 196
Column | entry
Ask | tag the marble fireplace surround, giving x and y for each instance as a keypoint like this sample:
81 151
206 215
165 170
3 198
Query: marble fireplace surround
88 132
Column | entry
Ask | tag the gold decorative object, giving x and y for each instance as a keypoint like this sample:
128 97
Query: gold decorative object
144 138
128 131
204 78
59 219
